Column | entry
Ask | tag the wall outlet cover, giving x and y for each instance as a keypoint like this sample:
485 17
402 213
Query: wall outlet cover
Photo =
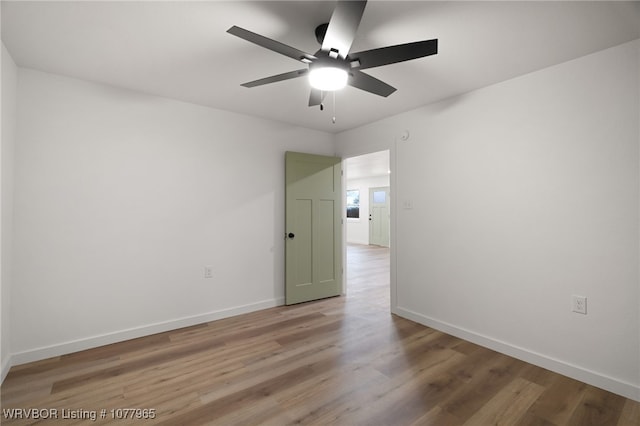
208 272
579 304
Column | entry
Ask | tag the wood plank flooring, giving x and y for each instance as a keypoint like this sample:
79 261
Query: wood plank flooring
340 361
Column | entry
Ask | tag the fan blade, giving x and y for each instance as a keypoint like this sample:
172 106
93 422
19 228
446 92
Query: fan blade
392 54
274 78
343 26
369 84
267 43
316 97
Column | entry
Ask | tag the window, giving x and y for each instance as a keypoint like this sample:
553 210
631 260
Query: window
379 197
353 203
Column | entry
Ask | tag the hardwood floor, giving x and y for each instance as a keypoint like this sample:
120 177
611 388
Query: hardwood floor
340 361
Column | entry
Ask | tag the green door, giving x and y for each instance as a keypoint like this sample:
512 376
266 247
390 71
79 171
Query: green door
313 230
379 216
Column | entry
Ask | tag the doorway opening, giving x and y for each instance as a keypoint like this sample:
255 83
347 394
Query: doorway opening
367 228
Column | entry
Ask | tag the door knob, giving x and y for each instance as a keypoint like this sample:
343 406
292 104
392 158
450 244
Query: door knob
291 235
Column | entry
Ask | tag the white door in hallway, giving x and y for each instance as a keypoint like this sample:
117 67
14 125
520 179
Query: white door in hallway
379 216
313 227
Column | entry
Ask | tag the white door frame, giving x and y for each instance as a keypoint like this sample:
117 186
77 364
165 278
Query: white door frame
392 148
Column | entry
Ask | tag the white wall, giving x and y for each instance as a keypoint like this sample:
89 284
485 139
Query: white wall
525 193
8 89
121 199
358 229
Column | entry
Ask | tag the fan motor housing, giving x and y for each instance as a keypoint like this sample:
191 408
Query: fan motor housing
325 61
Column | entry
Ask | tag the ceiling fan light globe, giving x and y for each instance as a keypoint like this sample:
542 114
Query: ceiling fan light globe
328 79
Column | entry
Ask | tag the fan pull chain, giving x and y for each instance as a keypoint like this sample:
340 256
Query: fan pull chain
334 108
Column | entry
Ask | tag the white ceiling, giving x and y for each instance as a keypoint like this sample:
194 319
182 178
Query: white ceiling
368 165
181 50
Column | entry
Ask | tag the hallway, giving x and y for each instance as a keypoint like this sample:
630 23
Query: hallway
368 273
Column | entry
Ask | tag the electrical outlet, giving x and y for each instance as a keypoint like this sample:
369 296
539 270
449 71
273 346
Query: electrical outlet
208 272
579 304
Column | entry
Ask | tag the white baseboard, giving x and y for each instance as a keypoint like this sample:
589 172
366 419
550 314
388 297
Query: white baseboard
628 390
6 366
132 333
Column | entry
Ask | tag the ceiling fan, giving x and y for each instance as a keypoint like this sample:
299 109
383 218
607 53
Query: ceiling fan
333 66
